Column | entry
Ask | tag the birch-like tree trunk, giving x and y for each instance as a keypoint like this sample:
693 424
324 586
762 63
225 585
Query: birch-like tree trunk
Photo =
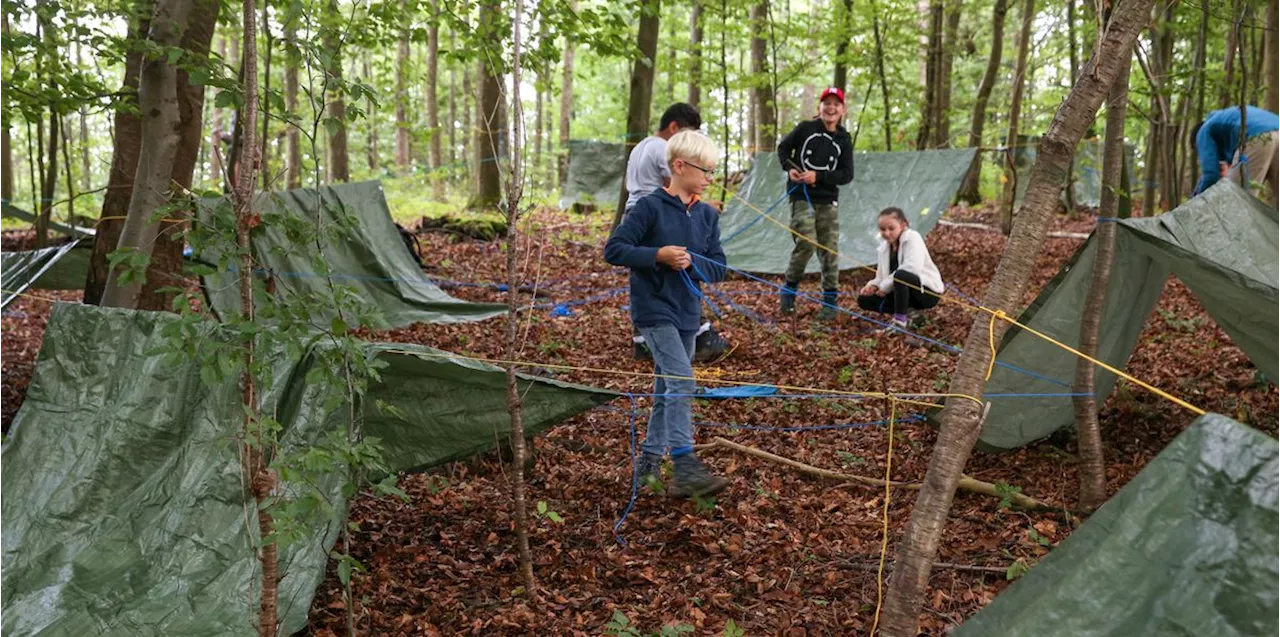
1015 112
961 422
695 54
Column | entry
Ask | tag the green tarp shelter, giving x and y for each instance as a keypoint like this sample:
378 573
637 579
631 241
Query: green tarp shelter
1087 182
921 183
123 509
1188 547
595 174
367 255
1221 244
79 232
63 267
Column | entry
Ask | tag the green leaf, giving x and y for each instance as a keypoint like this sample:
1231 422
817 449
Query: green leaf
555 517
542 507
175 54
338 326
344 571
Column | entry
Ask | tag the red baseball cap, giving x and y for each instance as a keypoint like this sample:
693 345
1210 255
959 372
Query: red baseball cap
832 92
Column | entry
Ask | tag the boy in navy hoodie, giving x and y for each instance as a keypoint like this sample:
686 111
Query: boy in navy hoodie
671 242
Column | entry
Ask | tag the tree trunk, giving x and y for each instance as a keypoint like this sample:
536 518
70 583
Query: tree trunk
1092 467
566 102
978 121
942 109
371 150
124 164
1015 111
535 171
695 54
470 122
292 141
433 103
255 467
453 108
165 270
402 95
1225 98
488 188
884 85
933 57
1069 191
6 144
641 90
339 168
48 183
161 119
1271 51
840 78
762 90
216 160
66 163
960 421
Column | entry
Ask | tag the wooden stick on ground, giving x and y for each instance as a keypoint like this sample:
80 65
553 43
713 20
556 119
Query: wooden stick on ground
966 568
967 483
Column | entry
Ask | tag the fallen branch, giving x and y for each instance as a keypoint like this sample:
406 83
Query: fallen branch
964 568
967 483
978 226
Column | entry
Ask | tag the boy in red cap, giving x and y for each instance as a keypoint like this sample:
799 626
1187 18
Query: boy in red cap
818 158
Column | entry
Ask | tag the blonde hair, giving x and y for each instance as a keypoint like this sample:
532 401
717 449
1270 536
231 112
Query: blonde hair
691 146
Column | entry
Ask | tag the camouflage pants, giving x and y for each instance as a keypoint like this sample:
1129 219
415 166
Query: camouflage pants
820 224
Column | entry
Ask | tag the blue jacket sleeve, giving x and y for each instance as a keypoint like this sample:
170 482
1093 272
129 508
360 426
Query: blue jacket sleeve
711 269
1210 155
623 247
843 173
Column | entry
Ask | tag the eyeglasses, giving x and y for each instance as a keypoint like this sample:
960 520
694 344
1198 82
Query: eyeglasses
709 173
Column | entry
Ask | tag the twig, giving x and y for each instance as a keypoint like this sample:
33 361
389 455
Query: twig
986 228
967 483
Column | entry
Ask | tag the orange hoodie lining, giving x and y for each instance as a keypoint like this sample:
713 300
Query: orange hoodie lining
687 206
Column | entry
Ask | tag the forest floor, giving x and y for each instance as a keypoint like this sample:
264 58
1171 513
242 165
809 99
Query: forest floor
778 553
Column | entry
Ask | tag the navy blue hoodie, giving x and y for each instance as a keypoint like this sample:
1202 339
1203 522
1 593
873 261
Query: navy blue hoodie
659 294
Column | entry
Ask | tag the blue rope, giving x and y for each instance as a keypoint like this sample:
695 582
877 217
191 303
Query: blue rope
759 216
926 339
635 479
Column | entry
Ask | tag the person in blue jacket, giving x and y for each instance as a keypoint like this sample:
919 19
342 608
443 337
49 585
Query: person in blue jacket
1217 142
671 242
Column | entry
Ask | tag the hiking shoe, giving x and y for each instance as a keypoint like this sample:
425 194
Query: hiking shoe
693 480
830 306
787 300
915 319
895 326
641 351
649 470
709 346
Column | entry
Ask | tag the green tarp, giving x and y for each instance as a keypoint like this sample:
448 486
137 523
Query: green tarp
123 509
1222 245
14 212
63 267
1088 169
368 256
1188 547
595 174
921 183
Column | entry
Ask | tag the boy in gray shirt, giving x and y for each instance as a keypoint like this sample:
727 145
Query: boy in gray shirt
647 168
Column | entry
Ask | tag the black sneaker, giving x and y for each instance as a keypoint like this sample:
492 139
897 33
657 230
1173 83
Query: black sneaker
709 346
693 480
641 351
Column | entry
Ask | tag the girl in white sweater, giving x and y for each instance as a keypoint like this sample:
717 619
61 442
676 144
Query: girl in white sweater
906 277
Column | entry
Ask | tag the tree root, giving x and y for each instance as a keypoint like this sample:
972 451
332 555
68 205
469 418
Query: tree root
967 483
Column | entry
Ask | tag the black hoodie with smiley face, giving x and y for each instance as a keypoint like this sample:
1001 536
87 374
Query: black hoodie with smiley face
830 154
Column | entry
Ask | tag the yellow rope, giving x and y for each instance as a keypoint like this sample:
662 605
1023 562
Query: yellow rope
995 314
884 541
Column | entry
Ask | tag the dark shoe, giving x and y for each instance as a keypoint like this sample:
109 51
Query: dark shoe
641 351
709 346
830 303
693 480
649 470
787 303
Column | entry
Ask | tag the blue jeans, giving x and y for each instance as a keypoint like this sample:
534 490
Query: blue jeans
671 421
